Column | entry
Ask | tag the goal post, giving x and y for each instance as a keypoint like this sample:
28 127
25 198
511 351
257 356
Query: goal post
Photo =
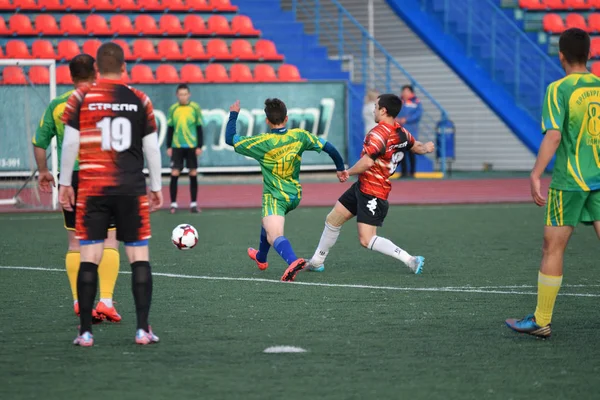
21 109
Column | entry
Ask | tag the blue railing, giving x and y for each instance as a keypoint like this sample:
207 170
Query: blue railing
493 39
335 27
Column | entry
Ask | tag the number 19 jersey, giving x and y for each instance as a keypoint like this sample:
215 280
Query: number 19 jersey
112 118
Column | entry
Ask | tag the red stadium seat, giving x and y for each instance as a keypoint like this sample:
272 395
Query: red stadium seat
169 49
594 3
102 5
218 25
16 49
192 49
13 76
6 5
67 49
95 24
20 24
145 24
578 4
39 75
575 21
266 50
596 69
553 23
1 53
166 73
191 73
76 5
26 4
194 24
142 74
63 75
595 47
532 5
46 25
174 5
240 73
51 5
594 22
289 73
126 50
43 49
144 49
71 25
3 28
216 73
150 5
198 5
242 25
217 48
222 5
125 77
171 25
242 50
126 5
121 25
91 47
264 73
555 4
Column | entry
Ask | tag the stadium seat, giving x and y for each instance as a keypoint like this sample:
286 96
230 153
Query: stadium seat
145 24
142 74
264 73
174 5
1 53
198 5
126 50
13 76
166 73
242 25
531 5
76 5
3 28
26 4
216 73
144 49
102 5
126 5
194 24
150 5
594 3
95 24
289 73
6 5
218 25
67 49
169 49
20 24
16 49
242 50
596 69
170 25
63 75
192 49
553 23
217 49
191 73
43 49
39 75
575 21
594 22
70 24
121 25
265 49
555 4
578 4
46 25
51 5
595 47
222 5
91 47
240 73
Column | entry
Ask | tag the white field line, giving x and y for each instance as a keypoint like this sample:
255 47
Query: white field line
455 289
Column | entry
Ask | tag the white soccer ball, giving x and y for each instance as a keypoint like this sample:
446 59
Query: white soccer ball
184 237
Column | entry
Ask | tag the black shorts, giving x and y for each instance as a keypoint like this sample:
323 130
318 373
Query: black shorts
180 155
131 215
368 209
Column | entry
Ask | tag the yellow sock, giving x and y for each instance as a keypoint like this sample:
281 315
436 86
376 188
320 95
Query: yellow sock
108 270
72 261
548 287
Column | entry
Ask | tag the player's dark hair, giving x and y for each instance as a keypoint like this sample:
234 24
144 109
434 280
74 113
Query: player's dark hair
409 87
276 111
110 58
574 44
81 68
182 86
392 104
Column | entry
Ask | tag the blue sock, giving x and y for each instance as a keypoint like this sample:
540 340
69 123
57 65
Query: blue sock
263 248
284 248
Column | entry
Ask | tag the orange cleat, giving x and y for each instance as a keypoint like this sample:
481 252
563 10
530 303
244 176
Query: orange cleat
290 274
261 265
96 318
108 313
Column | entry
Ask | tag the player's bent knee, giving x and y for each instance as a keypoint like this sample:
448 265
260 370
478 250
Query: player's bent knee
335 219
365 240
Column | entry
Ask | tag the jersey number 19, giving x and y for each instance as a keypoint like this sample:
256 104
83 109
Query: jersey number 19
115 133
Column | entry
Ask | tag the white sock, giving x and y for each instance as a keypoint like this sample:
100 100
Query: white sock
388 248
107 302
193 204
328 239
173 205
75 302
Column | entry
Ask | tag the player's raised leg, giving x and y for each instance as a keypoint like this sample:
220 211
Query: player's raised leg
338 216
273 225
108 272
260 255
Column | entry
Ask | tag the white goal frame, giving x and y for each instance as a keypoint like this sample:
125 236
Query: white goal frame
51 64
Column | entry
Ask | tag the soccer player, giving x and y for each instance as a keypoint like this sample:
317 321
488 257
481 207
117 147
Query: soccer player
111 126
383 149
279 154
83 75
571 128
184 143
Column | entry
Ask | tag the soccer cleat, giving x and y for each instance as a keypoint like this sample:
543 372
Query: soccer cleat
290 274
416 264
142 337
109 313
173 208
96 318
318 268
194 210
529 326
86 339
252 254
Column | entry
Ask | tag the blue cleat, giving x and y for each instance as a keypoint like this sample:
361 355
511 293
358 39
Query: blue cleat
416 264
529 326
319 268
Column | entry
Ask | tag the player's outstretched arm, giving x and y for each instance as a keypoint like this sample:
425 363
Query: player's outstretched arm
338 160
547 150
361 165
230 131
422 148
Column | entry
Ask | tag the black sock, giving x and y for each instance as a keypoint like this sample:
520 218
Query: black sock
141 286
87 282
194 187
173 188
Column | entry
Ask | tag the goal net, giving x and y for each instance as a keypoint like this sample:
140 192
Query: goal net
26 89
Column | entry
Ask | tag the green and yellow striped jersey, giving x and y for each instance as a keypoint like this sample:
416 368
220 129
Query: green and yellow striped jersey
184 119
